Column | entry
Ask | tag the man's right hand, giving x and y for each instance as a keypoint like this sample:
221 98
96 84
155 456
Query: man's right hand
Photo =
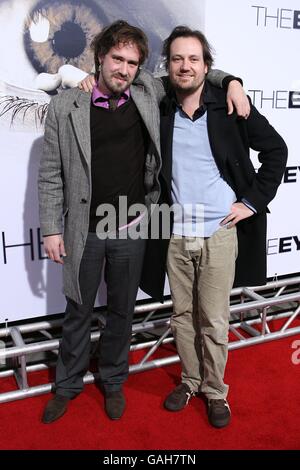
88 83
237 99
55 248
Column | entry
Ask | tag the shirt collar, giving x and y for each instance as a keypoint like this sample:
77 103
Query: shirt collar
99 96
206 98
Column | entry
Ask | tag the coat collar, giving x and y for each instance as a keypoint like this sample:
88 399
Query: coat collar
212 96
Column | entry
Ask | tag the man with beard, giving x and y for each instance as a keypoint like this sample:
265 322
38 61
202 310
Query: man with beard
97 149
207 173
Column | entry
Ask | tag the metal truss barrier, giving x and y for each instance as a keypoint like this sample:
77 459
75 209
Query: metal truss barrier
252 311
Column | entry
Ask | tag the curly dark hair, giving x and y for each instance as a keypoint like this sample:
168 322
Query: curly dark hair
119 32
186 32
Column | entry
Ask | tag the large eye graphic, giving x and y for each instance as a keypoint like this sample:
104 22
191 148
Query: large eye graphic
59 33
50 50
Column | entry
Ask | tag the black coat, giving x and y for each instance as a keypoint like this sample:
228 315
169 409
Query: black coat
230 139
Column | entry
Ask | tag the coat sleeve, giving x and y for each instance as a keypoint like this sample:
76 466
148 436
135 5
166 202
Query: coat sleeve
219 78
161 87
50 179
272 154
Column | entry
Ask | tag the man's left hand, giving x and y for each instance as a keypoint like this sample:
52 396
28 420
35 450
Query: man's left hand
88 83
238 212
237 98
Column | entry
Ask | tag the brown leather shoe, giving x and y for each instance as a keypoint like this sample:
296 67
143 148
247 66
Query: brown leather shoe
178 398
115 404
55 408
218 413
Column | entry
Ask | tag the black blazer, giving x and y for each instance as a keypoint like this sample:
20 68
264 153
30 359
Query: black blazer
230 138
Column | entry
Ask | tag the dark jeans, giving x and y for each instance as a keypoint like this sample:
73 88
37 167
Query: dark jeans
124 259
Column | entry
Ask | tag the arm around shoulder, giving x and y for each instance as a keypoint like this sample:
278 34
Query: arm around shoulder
219 78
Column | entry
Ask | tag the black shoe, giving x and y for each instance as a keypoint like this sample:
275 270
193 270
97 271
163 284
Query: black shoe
55 408
178 398
114 404
218 413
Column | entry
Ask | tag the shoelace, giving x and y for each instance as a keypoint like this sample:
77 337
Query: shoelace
189 396
218 404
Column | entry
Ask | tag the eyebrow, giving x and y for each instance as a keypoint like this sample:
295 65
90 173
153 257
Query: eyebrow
119 57
192 56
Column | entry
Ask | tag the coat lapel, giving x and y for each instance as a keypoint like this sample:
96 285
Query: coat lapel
80 117
167 117
217 135
218 124
148 112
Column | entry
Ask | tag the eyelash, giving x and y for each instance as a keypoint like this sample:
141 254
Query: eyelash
18 105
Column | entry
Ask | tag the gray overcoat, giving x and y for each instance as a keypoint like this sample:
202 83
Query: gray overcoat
65 168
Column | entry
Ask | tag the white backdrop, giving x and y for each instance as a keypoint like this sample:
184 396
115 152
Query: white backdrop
264 56
260 42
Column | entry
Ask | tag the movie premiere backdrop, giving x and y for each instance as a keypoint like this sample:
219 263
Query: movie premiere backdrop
45 48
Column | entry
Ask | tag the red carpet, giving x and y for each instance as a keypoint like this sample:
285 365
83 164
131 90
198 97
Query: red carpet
264 398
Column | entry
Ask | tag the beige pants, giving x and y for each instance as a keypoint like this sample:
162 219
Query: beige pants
201 274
